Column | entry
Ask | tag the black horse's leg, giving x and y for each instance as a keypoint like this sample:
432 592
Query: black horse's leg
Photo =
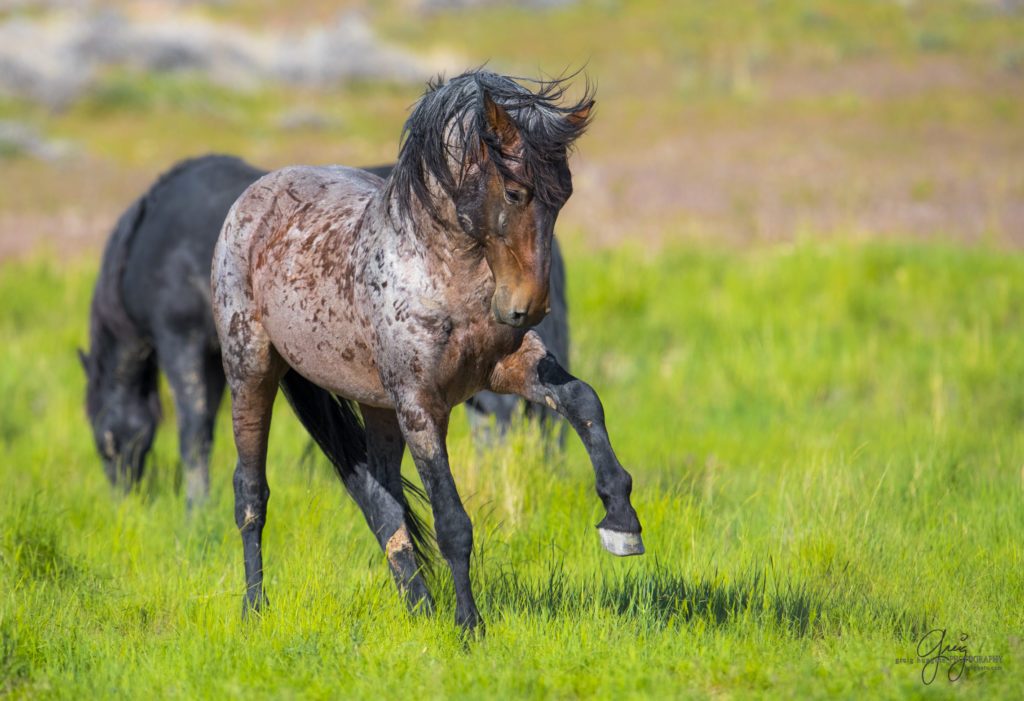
197 380
481 407
377 488
533 373
425 427
253 388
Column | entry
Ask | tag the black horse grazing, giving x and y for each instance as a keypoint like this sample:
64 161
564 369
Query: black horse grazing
406 296
151 308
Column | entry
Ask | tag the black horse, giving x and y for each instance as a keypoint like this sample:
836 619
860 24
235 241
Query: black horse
151 309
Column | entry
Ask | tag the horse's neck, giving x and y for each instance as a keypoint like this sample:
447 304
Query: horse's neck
439 242
117 367
126 361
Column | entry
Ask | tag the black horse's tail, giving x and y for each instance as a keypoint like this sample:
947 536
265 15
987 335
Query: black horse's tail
337 428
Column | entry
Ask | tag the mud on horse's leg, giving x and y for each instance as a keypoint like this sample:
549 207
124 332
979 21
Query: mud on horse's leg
425 427
533 373
377 488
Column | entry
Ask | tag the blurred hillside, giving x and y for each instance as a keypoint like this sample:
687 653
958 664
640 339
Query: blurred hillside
754 121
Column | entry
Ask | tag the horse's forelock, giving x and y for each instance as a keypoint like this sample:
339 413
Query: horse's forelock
448 126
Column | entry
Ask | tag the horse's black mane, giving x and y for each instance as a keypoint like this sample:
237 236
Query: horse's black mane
109 323
449 123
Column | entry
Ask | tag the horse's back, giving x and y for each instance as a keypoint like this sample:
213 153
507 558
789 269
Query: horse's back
293 200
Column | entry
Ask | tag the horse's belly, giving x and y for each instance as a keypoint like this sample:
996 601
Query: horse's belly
335 365
321 341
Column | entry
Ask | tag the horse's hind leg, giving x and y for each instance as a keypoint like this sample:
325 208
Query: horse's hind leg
197 379
533 373
253 369
377 488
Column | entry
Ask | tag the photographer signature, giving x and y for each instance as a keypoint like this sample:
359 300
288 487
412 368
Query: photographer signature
934 650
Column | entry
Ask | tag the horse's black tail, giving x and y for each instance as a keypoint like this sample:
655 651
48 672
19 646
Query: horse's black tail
337 428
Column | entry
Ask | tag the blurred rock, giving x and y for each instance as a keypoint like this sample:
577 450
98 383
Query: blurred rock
1006 7
53 60
305 118
19 139
347 50
39 61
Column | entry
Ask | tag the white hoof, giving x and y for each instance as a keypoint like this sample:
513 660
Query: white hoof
621 544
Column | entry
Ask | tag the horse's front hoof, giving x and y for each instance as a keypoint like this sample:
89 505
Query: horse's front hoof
620 543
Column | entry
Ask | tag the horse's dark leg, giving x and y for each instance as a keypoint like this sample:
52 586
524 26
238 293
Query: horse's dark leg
425 427
377 488
253 380
533 373
197 379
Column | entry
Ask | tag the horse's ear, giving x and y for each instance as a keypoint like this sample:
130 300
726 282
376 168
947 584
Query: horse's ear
84 359
579 118
499 122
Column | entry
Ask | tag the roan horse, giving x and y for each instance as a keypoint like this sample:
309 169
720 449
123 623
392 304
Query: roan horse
151 310
405 296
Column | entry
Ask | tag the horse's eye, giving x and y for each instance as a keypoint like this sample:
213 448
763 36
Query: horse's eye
515 196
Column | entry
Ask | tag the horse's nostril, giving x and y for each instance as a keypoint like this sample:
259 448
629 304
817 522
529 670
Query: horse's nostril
517 316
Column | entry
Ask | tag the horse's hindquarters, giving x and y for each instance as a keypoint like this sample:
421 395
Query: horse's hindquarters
293 236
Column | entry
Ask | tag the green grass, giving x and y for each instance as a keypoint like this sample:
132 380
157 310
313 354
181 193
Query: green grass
826 445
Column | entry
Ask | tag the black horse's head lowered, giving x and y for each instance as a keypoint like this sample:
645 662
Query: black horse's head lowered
121 396
121 401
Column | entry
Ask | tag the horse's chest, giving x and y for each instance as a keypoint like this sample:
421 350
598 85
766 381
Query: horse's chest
423 344
431 324
470 357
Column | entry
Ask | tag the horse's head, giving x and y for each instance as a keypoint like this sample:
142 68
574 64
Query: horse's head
501 155
123 410
499 205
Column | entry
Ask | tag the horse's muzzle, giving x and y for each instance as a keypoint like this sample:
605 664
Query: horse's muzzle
518 316
519 307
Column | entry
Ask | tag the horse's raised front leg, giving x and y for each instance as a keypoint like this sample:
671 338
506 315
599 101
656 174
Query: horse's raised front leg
377 488
533 373
196 377
424 423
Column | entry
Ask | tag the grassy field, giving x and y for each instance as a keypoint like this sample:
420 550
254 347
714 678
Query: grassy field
827 451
